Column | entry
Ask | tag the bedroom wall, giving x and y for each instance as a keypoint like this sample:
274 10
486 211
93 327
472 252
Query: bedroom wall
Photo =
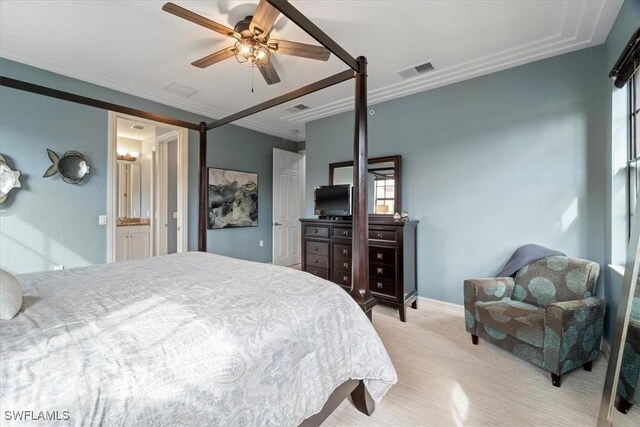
488 165
48 222
615 99
233 147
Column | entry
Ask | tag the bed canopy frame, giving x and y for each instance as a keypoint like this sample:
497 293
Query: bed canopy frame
357 70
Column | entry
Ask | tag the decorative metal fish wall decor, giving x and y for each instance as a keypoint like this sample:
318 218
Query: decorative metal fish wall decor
9 179
72 166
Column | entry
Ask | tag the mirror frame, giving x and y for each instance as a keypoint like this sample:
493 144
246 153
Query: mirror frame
396 160
631 271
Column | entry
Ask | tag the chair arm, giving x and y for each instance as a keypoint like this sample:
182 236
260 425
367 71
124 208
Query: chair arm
491 289
573 330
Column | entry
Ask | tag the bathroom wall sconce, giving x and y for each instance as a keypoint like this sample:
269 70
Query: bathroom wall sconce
128 156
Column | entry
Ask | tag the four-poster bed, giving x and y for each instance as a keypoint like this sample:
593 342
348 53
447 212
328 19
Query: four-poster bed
358 70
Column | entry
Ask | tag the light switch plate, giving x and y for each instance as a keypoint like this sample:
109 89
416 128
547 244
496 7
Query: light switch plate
102 220
261 243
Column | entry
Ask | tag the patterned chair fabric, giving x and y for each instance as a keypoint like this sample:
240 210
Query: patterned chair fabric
546 315
629 381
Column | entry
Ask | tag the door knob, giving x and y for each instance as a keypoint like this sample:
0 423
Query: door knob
276 224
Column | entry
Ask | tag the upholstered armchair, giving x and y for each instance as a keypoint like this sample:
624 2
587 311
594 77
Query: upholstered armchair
547 315
629 381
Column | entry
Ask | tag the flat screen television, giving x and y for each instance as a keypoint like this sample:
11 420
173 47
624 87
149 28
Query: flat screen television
333 200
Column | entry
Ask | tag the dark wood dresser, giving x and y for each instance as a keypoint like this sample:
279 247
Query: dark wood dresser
326 252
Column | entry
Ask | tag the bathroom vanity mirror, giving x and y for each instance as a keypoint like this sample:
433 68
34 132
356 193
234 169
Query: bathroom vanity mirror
383 183
129 190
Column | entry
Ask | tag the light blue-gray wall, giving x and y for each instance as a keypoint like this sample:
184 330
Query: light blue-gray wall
616 106
488 165
236 148
48 222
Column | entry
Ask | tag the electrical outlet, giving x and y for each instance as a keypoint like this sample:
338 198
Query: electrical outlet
58 267
102 220
261 243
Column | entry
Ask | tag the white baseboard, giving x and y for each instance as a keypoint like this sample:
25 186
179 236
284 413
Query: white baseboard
448 307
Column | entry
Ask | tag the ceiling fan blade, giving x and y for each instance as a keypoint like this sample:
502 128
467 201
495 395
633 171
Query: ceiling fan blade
304 50
183 13
263 18
269 73
214 57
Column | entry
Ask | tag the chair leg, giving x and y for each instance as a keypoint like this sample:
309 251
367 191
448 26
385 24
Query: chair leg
474 339
556 379
587 366
622 404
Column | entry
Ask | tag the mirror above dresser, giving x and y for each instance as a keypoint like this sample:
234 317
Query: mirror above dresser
383 183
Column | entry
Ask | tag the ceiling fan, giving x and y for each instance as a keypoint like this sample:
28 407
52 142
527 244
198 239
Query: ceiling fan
253 46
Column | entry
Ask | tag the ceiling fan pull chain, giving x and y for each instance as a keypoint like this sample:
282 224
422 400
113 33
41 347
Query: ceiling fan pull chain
253 71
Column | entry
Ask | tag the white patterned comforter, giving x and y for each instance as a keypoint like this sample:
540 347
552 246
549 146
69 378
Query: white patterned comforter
188 339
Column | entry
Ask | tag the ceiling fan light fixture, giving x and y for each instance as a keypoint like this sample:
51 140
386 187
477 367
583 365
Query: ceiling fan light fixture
251 53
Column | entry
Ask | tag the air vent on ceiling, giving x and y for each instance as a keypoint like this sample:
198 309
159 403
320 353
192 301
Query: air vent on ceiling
416 70
297 108
137 127
180 89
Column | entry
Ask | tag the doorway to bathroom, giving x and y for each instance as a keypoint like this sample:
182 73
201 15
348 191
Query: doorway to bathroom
147 188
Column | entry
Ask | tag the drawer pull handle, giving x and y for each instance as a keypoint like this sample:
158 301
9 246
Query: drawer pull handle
345 233
315 261
315 248
345 264
315 230
379 255
379 285
379 235
345 278
379 270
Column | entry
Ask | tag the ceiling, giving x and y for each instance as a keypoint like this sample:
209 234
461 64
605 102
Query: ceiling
135 47
125 129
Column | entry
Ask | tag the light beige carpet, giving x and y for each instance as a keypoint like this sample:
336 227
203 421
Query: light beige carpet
444 380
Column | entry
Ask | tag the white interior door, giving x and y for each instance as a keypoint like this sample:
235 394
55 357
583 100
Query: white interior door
288 197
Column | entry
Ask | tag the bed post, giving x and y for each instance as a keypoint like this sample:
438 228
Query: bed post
360 274
202 189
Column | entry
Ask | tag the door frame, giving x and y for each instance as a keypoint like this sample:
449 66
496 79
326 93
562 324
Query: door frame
112 188
303 182
160 207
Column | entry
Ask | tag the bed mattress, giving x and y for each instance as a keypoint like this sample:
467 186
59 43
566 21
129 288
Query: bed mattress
185 339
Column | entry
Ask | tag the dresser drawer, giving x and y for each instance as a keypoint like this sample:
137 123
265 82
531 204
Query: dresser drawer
382 271
318 231
342 264
386 287
342 251
383 255
341 278
318 261
320 272
318 248
383 235
341 232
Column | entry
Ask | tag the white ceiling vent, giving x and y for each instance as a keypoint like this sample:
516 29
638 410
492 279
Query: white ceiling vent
180 89
297 108
137 127
416 70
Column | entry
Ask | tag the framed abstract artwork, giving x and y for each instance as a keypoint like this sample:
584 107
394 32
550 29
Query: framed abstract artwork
233 199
